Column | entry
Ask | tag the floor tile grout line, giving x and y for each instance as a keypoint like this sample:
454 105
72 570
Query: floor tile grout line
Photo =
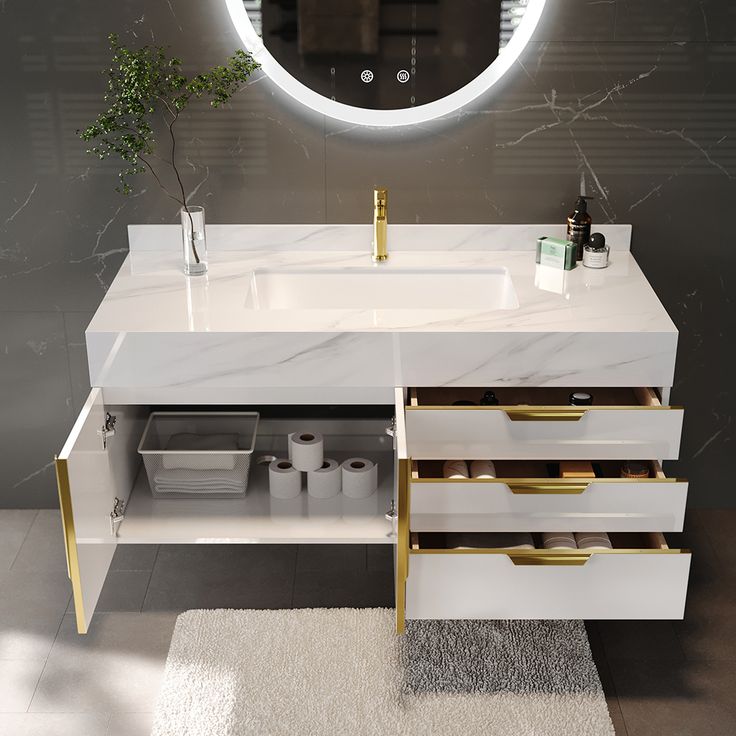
25 537
293 579
711 542
48 654
150 577
612 684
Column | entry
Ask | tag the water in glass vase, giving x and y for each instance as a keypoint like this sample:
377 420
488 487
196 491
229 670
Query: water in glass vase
194 241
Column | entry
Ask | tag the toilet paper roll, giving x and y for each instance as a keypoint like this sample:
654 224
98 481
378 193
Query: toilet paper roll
359 477
326 481
455 469
482 469
284 480
306 450
593 540
559 540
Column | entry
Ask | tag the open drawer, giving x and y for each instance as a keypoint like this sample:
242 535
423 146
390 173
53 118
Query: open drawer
106 499
532 423
641 578
524 498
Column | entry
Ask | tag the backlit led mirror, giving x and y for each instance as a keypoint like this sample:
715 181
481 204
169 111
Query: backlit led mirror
385 62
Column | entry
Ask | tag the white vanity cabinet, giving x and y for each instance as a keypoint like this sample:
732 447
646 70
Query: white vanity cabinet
160 339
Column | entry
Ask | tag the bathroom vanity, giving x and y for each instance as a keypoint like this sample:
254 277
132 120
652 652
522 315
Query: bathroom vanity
291 317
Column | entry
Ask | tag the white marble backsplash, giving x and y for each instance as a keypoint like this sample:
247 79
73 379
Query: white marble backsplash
420 237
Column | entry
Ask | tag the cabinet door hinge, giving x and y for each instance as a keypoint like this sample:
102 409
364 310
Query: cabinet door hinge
116 515
107 429
391 429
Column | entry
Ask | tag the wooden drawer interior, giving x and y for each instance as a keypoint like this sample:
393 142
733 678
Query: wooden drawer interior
621 541
531 396
432 470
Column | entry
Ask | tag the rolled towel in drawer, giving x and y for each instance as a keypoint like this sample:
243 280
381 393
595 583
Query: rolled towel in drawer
593 540
455 469
200 452
559 540
482 469
489 540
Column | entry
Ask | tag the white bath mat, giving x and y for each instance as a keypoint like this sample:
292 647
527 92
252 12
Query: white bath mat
328 672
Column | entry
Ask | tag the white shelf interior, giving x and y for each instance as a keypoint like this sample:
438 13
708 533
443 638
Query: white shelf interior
259 518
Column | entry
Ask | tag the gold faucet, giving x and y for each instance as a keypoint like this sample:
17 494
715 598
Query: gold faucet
380 223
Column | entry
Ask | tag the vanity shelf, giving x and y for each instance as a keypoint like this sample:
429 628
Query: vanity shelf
259 518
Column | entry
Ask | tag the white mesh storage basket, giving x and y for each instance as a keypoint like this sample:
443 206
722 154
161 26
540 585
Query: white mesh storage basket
198 454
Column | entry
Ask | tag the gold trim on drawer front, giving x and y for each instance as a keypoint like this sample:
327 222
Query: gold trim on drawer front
560 555
544 414
577 560
543 409
70 540
547 486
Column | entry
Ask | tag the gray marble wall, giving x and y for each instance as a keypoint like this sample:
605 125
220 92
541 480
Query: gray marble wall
636 97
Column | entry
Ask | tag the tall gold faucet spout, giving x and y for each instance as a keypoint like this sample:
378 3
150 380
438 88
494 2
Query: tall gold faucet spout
380 225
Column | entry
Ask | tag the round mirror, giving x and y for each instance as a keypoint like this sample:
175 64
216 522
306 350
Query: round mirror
385 62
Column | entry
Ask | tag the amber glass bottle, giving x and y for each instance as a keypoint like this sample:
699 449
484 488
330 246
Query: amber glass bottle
578 225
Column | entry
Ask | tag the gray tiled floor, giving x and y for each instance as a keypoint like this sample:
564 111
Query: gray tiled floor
660 677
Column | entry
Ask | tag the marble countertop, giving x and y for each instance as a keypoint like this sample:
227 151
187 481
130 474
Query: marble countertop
150 294
159 336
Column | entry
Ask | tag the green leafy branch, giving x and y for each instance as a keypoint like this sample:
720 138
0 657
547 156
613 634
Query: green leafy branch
146 83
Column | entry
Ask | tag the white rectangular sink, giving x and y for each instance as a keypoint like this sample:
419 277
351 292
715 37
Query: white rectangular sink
381 287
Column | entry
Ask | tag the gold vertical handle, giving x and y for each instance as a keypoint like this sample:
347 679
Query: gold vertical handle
402 544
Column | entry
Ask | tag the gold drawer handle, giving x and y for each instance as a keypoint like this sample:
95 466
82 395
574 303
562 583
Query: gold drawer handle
549 559
545 415
526 488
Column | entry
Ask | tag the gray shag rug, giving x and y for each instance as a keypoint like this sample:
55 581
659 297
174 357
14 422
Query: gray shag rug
326 672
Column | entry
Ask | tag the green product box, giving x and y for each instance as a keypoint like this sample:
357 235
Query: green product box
556 253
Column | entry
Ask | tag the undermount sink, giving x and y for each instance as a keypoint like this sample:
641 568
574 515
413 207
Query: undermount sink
379 287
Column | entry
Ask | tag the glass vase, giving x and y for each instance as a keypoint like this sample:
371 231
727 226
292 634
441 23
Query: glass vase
194 241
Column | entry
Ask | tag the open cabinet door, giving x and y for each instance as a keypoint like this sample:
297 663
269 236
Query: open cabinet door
403 471
94 468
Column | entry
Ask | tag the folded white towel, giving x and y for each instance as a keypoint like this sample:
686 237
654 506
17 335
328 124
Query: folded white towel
455 469
489 540
186 477
193 447
593 540
205 484
559 540
482 469
201 491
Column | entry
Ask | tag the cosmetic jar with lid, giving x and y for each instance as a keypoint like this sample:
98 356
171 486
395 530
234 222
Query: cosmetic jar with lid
595 252
581 398
489 399
634 469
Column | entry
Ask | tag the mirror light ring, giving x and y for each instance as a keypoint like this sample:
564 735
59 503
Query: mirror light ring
386 118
